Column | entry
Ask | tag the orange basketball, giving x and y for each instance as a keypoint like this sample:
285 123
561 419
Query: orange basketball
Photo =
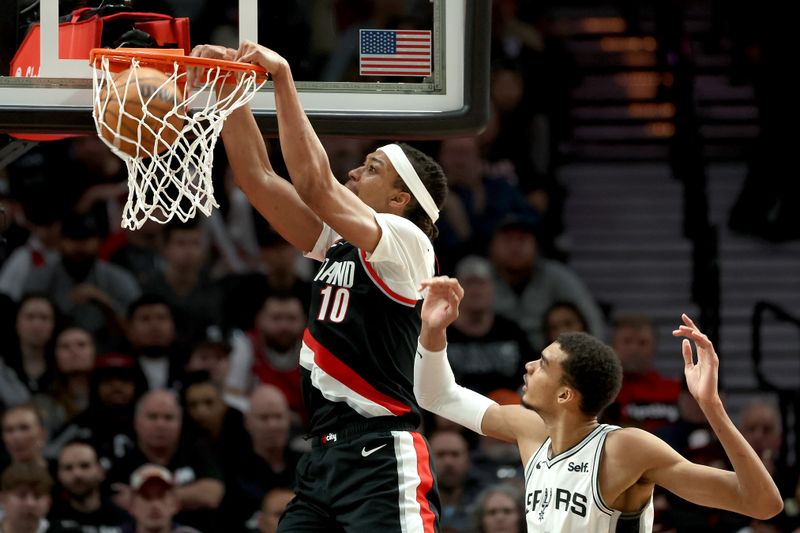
137 132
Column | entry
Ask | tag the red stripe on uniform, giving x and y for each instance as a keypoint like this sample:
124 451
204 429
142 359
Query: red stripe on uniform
425 483
381 284
348 377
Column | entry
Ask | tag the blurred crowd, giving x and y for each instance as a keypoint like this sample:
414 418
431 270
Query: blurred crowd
178 345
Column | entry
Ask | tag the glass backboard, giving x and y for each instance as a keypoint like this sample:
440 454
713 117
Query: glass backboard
391 68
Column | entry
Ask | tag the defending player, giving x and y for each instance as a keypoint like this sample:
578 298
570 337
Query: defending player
369 470
582 476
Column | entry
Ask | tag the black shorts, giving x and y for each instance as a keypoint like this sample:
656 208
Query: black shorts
378 481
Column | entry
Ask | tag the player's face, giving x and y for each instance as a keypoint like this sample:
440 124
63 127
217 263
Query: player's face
543 379
373 182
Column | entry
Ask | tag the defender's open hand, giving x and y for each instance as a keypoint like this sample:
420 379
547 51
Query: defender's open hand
702 376
440 308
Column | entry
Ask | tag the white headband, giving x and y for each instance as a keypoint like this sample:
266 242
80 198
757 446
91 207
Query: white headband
403 167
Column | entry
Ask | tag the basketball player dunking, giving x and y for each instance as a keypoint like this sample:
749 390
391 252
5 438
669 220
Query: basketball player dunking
582 476
369 469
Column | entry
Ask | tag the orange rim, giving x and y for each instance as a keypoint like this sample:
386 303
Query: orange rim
120 59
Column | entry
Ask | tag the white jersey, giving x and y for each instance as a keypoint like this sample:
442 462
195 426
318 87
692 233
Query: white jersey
562 493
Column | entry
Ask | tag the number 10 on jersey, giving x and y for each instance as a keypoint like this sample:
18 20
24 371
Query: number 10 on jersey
335 301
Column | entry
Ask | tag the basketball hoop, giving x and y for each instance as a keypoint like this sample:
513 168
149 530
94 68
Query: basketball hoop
167 142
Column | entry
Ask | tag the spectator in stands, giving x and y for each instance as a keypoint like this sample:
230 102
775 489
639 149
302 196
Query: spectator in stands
211 354
23 435
527 284
138 251
210 419
151 335
40 250
97 185
477 201
500 509
282 269
647 399
92 292
691 431
497 460
15 193
283 265
272 507
486 351
232 228
536 120
185 283
116 385
12 390
760 423
156 502
69 394
25 498
157 423
518 141
458 486
562 317
274 356
269 462
82 506
31 355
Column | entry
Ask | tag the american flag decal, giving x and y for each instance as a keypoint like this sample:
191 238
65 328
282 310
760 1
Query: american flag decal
394 53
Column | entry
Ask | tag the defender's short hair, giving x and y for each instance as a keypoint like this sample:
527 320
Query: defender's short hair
592 368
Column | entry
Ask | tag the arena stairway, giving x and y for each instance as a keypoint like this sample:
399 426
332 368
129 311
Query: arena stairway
624 210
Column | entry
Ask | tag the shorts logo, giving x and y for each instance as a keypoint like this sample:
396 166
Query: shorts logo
366 453
330 437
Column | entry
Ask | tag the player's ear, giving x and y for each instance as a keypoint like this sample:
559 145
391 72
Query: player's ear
400 200
566 394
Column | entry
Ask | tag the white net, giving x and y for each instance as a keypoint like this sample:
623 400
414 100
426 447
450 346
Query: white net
166 134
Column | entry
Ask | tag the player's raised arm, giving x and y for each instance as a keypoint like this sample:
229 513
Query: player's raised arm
271 195
749 489
434 383
306 159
